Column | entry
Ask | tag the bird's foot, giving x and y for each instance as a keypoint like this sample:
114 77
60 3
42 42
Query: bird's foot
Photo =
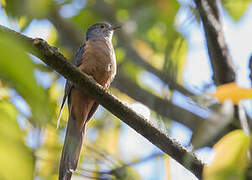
106 87
91 78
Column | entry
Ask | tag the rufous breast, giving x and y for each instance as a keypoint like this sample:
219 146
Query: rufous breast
98 61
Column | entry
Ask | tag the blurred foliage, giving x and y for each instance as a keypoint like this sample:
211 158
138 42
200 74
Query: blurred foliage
28 8
17 70
231 157
17 160
150 28
236 8
233 92
216 122
175 58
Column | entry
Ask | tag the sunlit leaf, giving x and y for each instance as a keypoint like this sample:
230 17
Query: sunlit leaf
52 39
17 161
122 15
233 92
230 159
178 56
156 36
120 55
236 8
3 2
17 70
4 92
23 22
175 58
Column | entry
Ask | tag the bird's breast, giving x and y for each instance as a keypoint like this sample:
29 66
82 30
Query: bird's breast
98 60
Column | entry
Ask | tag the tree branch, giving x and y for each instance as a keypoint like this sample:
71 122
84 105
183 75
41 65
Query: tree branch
59 63
223 68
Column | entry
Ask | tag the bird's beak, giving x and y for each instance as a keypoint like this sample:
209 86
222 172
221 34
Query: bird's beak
115 28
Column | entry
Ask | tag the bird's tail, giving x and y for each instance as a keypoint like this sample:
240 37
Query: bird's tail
71 150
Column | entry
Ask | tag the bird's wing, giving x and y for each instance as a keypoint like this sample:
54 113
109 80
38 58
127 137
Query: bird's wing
68 86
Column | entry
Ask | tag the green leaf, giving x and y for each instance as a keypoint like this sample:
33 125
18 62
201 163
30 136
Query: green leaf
53 37
230 161
88 15
31 8
17 70
15 7
17 161
24 22
39 8
236 8
175 57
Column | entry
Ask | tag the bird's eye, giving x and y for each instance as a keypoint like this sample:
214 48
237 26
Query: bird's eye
102 26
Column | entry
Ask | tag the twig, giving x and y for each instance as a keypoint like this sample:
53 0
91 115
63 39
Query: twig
154 155
119 171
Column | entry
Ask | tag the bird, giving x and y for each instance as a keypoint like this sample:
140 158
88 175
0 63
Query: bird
96 58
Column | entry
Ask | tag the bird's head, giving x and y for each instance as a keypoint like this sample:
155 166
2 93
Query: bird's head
101 30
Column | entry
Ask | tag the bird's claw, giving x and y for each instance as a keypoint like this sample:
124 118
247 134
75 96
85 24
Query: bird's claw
106 87
91 78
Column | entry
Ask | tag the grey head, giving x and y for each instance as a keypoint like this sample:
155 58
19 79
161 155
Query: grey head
101 30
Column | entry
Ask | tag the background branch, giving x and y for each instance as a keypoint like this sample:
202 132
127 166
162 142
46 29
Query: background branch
161 106
220 58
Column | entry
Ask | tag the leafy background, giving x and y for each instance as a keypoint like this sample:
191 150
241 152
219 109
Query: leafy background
162 36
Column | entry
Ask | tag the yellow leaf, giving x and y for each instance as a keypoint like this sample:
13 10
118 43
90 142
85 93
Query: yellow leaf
230 159
52 39
3 2
23 22
236 8
178 57
232 92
